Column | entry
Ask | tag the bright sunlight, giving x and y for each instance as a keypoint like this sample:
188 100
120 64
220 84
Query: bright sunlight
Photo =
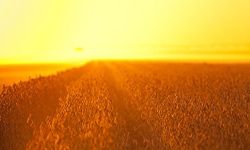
50 31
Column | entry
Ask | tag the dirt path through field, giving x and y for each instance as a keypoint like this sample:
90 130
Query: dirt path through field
140 133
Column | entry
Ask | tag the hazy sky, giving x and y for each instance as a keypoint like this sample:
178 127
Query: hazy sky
48 31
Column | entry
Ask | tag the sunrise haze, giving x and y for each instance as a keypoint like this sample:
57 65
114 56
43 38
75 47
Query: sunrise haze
51 31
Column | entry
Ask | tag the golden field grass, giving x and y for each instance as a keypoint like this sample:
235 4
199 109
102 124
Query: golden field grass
10 74
130 105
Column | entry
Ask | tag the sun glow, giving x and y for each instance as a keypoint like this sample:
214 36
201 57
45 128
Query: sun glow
50 31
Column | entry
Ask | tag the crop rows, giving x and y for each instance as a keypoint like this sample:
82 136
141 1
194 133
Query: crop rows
130 105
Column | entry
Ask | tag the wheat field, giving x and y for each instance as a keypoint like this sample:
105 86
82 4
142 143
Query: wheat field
130 105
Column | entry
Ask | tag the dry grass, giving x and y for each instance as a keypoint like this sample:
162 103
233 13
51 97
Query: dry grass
130 105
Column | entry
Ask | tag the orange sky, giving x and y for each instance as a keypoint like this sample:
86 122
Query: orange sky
46 31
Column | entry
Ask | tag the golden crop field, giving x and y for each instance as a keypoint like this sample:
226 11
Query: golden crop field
124 74
130 105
